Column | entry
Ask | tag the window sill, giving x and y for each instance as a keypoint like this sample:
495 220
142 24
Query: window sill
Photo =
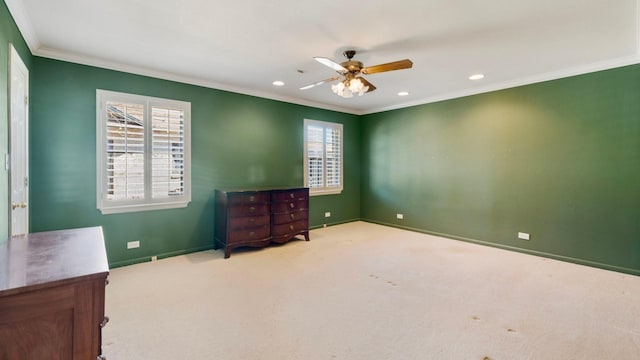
118 209
319 192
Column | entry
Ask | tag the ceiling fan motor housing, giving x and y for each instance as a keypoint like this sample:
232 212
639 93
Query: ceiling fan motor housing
353 66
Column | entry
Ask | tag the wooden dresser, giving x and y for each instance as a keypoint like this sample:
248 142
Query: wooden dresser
52 287
256 217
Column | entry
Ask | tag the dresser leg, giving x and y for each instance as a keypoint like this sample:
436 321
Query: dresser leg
227 252
306 236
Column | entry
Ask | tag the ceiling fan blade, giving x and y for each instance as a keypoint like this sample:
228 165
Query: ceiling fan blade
396 65
332 64
366 83
320 83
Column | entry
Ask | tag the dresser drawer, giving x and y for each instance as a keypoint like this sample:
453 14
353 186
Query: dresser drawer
247 235
244 198
249 210
291 228
284 218
289 206
242 222
289 195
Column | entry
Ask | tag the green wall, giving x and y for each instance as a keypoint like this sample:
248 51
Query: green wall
559 160
9 33
237 141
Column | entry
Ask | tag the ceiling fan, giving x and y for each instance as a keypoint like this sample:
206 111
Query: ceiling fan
349 70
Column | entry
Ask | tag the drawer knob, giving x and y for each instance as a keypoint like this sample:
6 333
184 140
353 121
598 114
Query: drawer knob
252 198
291 195
252 234
290 227
292 205
104 322
292 215
252 209
252 220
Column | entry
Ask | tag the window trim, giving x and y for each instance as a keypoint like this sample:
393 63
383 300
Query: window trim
325 190
148 203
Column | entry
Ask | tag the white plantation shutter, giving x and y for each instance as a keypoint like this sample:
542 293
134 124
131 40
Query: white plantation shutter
315 153
323 157
168 152
143 152
333 154
125 151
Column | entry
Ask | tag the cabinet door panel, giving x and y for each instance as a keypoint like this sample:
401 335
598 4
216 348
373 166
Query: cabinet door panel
55 323
49 336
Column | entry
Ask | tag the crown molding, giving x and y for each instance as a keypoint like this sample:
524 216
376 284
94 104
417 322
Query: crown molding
19 14
554 75
137 70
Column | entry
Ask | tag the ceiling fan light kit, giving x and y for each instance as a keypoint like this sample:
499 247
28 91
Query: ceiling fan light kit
348 87
351 83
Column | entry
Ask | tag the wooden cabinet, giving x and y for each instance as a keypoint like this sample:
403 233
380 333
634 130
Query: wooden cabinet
256 217
52 287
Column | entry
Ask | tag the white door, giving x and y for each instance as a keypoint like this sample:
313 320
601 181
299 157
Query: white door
19 156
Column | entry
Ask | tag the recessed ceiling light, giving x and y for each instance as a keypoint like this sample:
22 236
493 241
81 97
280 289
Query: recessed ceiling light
403 93
278 83
476 77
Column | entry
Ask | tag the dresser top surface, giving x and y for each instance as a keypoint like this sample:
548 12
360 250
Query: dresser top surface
39 259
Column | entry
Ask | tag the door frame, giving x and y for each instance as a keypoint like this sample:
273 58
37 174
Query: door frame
16 64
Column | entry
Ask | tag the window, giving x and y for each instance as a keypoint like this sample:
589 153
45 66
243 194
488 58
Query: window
322 157
143 153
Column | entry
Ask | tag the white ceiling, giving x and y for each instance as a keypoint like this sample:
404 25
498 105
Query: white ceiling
244 45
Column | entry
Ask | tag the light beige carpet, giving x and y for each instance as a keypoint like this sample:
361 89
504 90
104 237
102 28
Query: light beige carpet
364 291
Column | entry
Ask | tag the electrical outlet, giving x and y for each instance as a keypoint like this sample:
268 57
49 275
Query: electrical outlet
399 216
523 236
154 258
327 214
133 244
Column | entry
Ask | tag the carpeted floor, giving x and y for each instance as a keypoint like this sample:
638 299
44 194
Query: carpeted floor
365 291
